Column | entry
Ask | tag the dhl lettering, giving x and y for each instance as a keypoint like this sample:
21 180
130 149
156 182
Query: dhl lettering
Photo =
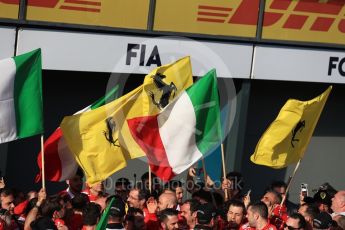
322 24
76 5
245 14
215 14
12 2
91 3
82 5
315 6
270 18
324 14
296 20
43 3
280 4
341 26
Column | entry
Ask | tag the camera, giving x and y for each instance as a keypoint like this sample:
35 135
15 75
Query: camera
304 189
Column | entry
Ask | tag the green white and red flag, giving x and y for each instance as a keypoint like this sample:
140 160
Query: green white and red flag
184 131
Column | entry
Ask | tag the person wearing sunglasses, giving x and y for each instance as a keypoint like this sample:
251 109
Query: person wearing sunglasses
295 222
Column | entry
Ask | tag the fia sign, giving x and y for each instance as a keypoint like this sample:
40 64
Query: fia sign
140 51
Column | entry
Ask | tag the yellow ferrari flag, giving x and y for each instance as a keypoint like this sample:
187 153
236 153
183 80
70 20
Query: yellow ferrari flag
160 87
100 139
287 138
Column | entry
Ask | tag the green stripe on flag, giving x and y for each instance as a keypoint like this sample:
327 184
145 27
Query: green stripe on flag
207 112
111 95
28 94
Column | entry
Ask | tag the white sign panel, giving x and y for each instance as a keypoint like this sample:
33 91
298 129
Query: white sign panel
7 42
131 54
296 64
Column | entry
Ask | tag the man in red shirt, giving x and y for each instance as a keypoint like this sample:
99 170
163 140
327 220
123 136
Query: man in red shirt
236 214
257 215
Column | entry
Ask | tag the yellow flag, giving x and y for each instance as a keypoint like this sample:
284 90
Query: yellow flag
287 138
100 139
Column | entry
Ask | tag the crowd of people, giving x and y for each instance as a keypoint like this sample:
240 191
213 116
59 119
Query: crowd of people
153 205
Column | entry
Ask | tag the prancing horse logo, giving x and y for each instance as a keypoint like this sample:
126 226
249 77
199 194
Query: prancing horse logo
166 89
299 127
111 126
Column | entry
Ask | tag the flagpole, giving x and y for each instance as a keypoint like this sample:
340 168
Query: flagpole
43 163
150 179
289 182
224 173
204 169
135 180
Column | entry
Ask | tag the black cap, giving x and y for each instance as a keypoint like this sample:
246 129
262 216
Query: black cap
323 197
205 213
322 221
118 208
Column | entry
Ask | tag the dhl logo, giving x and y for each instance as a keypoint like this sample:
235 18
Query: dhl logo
323 12
75 5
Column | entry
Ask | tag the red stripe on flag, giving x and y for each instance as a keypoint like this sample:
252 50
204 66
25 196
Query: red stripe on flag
82 2
145 132
51 158
79 8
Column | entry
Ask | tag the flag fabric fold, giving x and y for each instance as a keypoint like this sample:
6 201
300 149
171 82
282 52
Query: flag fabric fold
21 96
100 139
60 162
287 138
183 132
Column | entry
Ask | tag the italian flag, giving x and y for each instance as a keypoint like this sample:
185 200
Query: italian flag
21 96
186 130
59 160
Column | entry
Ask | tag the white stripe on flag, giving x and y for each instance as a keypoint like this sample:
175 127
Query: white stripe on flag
68 164
177 130
8 129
